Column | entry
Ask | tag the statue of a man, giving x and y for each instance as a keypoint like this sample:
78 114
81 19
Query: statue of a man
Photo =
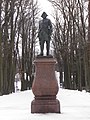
44 34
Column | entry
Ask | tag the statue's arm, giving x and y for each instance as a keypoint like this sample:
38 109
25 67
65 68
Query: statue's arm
50 27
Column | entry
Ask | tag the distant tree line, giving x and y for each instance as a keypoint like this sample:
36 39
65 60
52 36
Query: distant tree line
18 20
18 32
70 40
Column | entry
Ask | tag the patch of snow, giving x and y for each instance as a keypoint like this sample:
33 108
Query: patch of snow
75 105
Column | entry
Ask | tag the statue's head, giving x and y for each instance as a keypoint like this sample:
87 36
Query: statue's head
44 15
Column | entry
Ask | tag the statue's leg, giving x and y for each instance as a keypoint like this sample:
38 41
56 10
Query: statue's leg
48 46
42 47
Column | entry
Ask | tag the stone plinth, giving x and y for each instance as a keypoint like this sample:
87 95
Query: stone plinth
45 87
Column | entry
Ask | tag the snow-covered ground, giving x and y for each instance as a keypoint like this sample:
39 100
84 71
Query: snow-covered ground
75 105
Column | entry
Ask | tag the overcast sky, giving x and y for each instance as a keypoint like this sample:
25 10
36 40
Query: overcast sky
46 7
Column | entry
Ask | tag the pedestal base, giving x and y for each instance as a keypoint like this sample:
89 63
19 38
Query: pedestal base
45 106
45 87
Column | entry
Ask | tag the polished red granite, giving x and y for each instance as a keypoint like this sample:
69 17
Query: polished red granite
45 87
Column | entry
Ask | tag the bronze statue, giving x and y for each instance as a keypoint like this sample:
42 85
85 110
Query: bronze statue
44 34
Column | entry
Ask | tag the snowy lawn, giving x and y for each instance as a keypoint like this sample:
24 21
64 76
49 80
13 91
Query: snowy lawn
75 105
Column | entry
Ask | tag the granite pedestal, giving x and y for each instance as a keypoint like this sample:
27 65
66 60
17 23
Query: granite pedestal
45 87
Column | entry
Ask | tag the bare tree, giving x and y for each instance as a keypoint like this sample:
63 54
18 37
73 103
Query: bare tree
70 41
28 35
1 59
17 28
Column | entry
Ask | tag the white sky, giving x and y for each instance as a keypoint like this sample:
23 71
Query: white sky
46 7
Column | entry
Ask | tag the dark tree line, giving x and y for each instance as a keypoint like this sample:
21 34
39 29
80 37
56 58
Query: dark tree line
17 33
18 36
70 40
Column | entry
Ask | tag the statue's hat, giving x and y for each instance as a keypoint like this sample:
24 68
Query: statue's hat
44 14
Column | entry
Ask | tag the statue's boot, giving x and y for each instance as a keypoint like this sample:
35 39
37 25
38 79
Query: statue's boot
41 53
